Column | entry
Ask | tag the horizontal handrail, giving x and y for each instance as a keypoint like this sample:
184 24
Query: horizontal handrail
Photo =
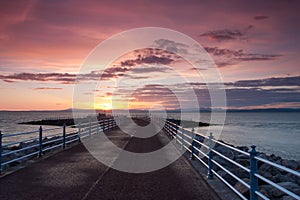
201 143
19 142
52 140
232 161
278 166
52 135
20 158
17 134
60 137
231 174
204 154
52 147
72 135
229 185
261 195
202 135
52 129
199 159
277 186
182 135
232 148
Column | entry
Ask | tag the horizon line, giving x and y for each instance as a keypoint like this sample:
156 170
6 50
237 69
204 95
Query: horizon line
168 110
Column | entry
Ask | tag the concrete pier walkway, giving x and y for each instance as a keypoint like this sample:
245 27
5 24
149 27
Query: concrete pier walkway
74 174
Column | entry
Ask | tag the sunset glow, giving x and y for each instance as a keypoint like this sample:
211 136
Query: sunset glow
255 48
103 106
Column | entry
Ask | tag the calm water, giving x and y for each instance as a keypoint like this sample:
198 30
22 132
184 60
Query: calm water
277 133
271 132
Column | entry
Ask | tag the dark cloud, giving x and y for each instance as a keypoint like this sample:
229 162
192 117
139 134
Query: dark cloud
225 57
68 78
223 34
281 90
197 69
136 77
261 17
112 72
272 83
147 60
241 97
47 88
171 46
224 64
223 52
157 51
280 81
195 84
8 81
258 97
65 78
148 69
154 93
227 34
43 77
258 92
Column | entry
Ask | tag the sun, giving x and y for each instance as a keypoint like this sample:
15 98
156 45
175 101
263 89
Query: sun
103 106
106 106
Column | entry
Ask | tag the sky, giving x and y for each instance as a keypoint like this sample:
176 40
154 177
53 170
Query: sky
255 46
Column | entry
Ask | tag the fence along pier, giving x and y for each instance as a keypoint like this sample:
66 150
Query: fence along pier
199 146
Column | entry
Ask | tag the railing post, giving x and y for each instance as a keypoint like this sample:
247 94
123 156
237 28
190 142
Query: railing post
112 124
118 121
0 152
104 125
79 133
90 127
176 132
169 130
182 136
40 141
109 125
253 170
192 157
64 136
210 174
101 125
97 128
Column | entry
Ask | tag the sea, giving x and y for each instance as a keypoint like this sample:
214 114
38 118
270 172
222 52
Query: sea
272 132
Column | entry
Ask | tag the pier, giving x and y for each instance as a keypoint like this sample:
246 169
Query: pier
75 174
65 169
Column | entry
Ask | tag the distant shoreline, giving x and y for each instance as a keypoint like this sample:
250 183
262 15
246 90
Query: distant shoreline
71 121
172 111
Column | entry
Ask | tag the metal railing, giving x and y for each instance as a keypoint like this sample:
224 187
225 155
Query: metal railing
202 148
199 146
45 140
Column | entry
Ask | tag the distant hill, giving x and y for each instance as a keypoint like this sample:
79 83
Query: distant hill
267 110
241 110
